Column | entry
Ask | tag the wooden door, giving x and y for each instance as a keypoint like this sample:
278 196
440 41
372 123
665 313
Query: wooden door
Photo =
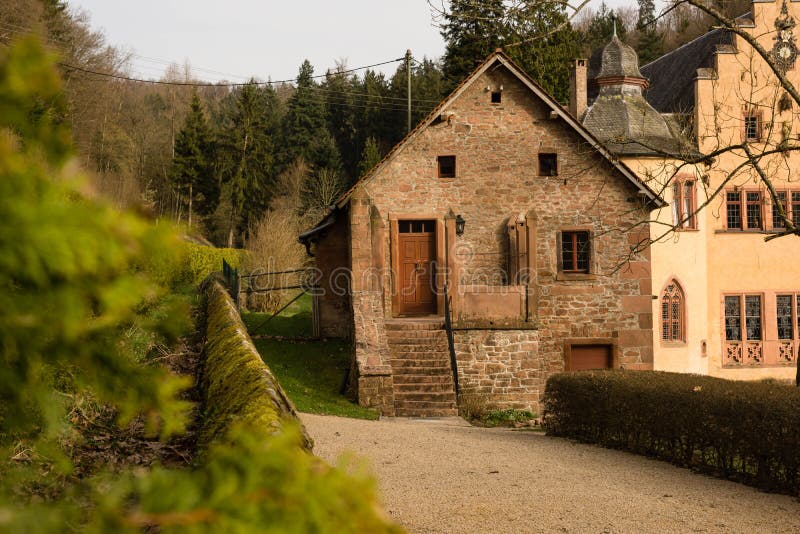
584 357
417 246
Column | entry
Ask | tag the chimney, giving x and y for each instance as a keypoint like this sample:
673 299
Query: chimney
577 87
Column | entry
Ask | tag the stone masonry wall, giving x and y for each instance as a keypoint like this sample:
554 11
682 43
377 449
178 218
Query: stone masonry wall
332 258
501 366
496 148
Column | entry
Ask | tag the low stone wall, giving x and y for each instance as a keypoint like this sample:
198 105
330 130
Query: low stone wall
502 368
238 387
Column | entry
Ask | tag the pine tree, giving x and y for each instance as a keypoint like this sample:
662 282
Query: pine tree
247 158
471 30
601 28
193 163
542 41
650 42
369 157
342 116
305 133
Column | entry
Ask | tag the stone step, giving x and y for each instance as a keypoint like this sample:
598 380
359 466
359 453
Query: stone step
413 408
425 396
399 364
422 355
411 378
419 347
422 336
412 325
435 387
425 412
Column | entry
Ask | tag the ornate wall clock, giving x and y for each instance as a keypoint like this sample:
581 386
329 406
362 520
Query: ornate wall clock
784 52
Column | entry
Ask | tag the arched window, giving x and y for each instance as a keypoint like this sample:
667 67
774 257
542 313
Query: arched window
673 324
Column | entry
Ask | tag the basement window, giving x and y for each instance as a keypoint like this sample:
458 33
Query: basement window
548 164
497 97
447 166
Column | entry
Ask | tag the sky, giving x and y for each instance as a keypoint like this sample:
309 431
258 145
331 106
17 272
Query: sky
264 38
237 39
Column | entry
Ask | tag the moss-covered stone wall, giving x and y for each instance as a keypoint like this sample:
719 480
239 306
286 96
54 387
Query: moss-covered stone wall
238 387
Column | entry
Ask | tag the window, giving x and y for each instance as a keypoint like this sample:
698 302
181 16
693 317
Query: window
497 97
683 204
777 222
752 126
783 314
734 209
743 318
575 252
790 200
548 164
744 210
672 313
447 166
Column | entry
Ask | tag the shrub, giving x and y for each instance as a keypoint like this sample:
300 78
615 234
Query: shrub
746 431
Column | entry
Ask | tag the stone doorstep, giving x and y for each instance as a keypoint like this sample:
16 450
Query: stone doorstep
421 406
398 336
399 325
419 355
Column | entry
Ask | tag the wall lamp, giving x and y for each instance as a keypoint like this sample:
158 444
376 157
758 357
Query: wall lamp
460 222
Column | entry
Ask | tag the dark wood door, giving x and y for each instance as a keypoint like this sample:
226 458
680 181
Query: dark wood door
584 357
417 244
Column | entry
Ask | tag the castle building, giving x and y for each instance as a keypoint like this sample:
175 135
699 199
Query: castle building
725 295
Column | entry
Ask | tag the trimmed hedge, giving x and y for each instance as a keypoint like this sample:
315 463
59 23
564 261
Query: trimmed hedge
744 431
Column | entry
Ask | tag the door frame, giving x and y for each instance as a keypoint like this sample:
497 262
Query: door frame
578 341
394 247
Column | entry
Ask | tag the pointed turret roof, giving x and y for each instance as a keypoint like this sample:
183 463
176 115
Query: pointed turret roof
621 117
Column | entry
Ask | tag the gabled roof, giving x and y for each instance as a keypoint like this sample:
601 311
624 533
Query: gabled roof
498 57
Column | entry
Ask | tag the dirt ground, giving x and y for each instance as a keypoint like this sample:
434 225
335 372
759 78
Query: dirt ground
446 476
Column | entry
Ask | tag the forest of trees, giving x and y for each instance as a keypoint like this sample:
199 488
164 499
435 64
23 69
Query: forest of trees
215 156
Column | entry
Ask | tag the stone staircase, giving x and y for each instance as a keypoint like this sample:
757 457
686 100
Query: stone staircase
420 360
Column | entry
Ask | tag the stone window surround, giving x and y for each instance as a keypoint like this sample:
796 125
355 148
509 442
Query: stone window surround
743 203
568 276
577 341
791 207
768 352
752 125
684 324
678 214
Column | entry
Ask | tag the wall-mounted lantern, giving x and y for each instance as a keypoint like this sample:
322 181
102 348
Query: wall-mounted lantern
460 222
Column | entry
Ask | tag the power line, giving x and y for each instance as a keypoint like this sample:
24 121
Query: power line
206 84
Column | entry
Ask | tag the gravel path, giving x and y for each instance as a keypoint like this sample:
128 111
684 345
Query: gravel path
446 476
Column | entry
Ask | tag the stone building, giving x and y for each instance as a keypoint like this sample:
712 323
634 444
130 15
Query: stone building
504 209
726 302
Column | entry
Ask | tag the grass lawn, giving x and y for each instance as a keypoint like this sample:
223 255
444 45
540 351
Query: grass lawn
311 372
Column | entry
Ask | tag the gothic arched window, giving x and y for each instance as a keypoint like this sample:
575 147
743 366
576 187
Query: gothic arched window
673 303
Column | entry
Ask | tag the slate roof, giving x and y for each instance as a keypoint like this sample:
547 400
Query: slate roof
621 118
672 75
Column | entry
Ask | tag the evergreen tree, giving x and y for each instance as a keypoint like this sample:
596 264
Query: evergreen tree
193 164
471 30
601 28
247 157
542 41
304 126
650 42
342 116
369 157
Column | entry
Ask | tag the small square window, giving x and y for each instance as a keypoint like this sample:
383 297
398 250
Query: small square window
497 97
752 126
548 164
575 250
447 166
